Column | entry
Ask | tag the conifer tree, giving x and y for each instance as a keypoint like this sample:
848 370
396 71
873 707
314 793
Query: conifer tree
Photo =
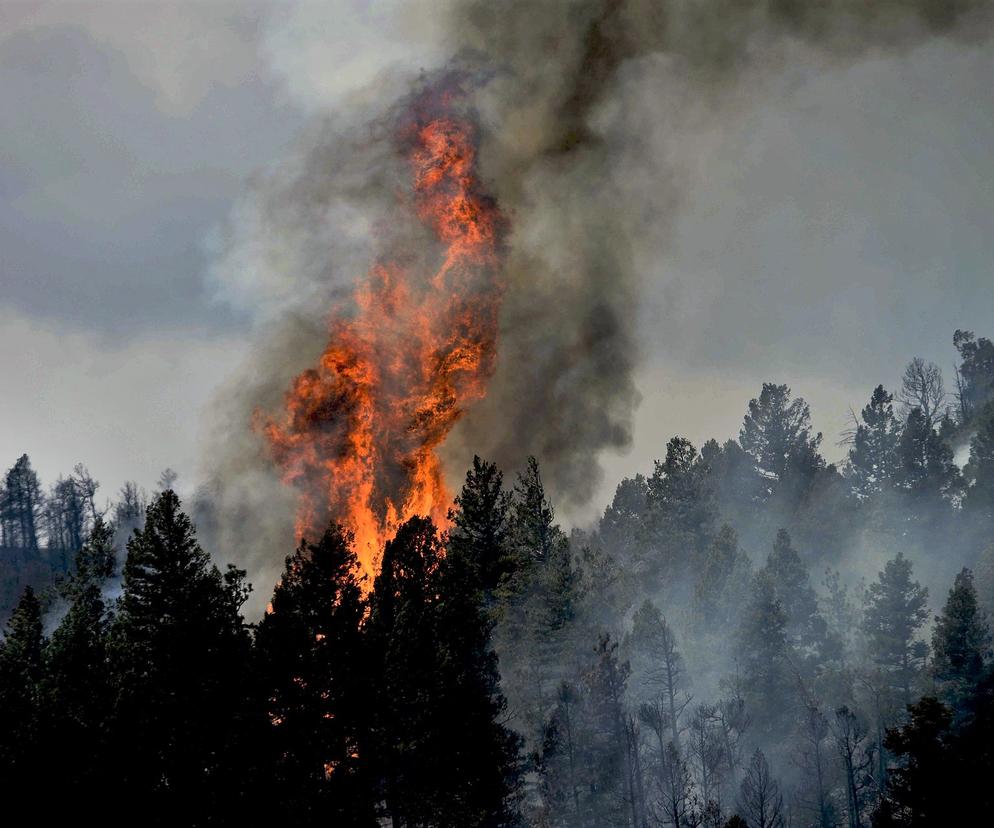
313 676
622 528
926 471
563 785
404 645
443 755
776 432
20 702
79 692
535 530
720 579
608 748
806 629
960 642
975 375
896 609
22 506
764 655
919 788
873 456
979 501
180 655
480 750
537 629
680 500
481 529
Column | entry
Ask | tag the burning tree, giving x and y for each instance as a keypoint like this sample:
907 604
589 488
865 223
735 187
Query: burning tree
359 432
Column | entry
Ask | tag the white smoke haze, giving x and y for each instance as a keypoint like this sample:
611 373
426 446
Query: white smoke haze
620 138
178 50
108 396
336 54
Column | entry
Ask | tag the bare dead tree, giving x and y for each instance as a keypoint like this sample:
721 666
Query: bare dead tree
654 716
814 764
760 800
671 676
87 488
678 805
167 479
964 405
706 751
922 387
856 752
733 722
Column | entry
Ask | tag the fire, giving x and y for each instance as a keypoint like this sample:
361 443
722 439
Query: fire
359 431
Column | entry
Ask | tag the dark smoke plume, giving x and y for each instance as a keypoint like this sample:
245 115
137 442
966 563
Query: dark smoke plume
569 160
581 107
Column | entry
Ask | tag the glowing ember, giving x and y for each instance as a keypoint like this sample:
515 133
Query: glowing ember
360 429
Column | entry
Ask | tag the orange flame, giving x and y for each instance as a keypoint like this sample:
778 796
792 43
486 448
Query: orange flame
359 432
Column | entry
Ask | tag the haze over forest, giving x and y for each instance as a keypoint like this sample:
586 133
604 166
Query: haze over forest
465 414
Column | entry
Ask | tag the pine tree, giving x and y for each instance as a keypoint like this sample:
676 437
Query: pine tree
807 631
873 456
777 433
979 501
564 778
984 579
764 654
720 579
608 748
442 754
22 506
404 641
960 642
975 375
622 528
537 633
535 530
78 688
481 529
21 723
920 789
480 751
896 609
926 471
680 501
311 668
180 656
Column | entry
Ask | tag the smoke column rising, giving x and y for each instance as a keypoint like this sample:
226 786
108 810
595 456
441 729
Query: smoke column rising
580 107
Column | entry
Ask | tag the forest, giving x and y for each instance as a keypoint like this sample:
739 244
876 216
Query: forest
749 636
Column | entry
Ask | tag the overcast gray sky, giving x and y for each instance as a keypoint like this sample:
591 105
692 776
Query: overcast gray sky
829 234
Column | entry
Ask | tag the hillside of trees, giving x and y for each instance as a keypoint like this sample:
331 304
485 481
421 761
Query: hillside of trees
750 636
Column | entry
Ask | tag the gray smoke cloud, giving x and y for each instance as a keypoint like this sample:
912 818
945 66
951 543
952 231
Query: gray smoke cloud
588 105
588 112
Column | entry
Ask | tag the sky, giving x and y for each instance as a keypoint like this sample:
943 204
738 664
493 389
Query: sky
827 234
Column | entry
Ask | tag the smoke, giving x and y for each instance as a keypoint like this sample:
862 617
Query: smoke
588 114
588 122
